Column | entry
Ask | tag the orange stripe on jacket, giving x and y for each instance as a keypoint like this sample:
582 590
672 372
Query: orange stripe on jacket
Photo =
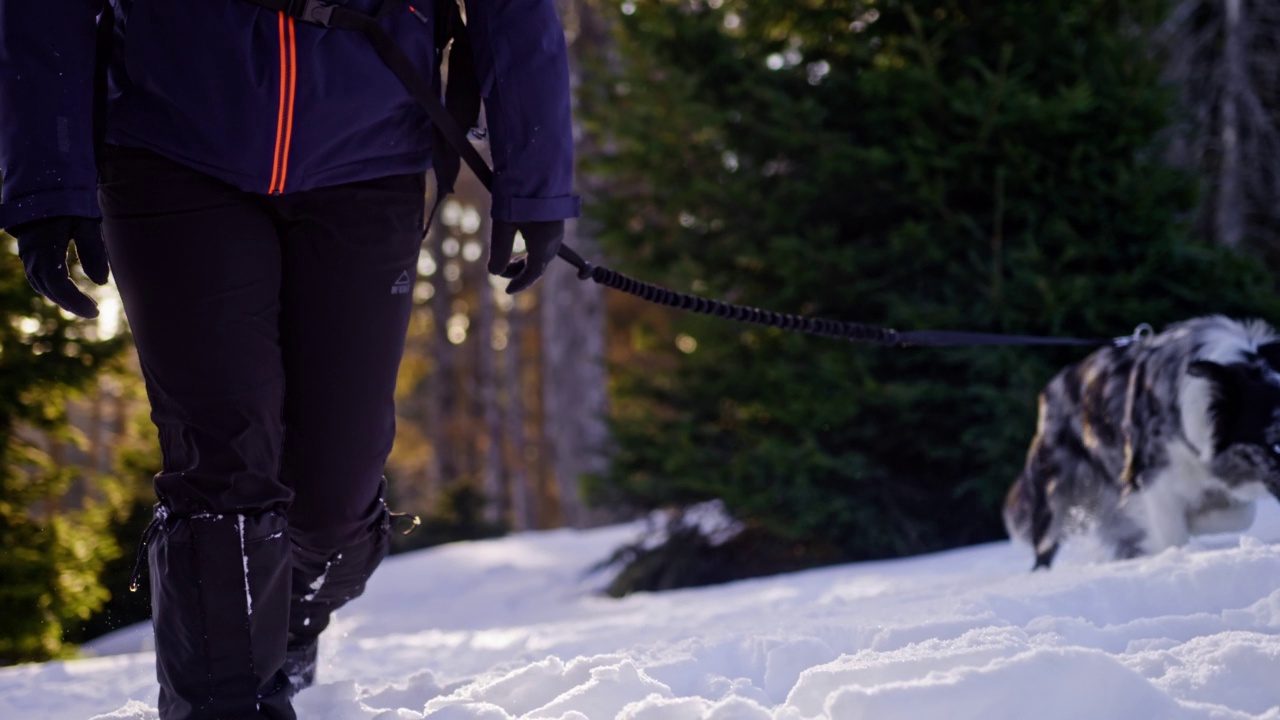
293 88
284 79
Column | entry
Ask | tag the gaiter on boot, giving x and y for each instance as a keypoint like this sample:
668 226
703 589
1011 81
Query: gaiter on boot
220 604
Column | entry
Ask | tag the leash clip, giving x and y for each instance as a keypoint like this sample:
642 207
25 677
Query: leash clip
414 521
1140 333
585 269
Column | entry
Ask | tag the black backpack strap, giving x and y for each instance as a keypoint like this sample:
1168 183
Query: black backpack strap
462 92
105 40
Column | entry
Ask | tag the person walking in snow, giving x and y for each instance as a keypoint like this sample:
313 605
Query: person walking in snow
260 185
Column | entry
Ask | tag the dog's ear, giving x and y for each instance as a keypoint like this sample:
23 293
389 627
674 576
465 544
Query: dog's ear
1232 384
1209 370
1227 380
1270 354
1226 392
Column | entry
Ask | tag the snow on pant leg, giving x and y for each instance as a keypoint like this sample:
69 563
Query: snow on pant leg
326 579
350 256
198 265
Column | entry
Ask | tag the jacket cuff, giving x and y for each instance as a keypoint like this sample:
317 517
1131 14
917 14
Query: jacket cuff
79 202
519 209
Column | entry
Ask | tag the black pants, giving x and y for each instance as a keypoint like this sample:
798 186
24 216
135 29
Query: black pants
270 331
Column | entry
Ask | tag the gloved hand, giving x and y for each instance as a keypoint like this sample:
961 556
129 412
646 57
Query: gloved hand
541 239
42 246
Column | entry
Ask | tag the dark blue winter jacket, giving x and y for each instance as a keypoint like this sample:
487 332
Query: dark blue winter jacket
267 103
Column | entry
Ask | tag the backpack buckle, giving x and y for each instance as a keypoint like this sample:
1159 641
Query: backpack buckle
317 12
311 11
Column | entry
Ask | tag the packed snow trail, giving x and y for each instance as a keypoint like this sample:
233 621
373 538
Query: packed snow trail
514 628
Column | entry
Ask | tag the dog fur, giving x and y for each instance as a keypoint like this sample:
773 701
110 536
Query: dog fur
1149 442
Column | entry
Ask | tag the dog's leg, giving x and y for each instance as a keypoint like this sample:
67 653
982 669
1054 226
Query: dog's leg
1043 540
1028 517
1044 557
1161 511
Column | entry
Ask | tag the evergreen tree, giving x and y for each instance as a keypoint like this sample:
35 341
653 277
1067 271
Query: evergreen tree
135 460
988 165
55 538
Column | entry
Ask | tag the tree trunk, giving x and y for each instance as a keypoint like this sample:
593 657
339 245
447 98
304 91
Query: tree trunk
487 375
1222 56
523 496
441 395
1229 215
575 400
574 396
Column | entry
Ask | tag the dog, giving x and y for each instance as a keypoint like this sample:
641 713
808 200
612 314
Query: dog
1148 442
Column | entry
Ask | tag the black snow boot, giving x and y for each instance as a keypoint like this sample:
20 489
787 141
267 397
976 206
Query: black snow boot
300 663
220 604
323 581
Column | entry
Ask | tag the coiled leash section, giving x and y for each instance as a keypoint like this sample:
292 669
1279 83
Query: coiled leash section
822 327
463 101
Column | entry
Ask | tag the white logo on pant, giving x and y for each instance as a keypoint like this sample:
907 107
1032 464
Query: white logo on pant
403 285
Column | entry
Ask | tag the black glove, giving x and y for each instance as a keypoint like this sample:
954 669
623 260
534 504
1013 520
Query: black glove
42 246
541 239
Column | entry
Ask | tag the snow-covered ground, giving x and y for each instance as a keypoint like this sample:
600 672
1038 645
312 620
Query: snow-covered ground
512 629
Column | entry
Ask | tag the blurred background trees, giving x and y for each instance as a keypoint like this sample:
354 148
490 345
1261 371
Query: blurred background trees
63 418
1067 167
992 166
1222 57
